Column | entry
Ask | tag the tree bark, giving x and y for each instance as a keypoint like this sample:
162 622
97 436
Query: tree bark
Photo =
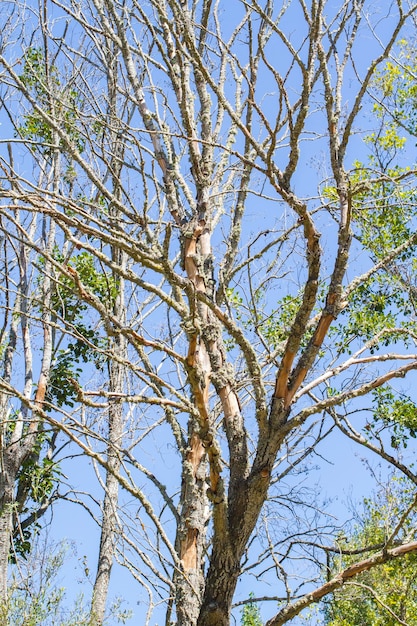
109 518
7 481
116 371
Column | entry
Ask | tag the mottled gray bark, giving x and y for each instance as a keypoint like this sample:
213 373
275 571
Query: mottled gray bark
109 518
116 369
109 525
7 480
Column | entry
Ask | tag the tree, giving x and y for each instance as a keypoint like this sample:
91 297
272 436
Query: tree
24 437
116 367
388 594
204 337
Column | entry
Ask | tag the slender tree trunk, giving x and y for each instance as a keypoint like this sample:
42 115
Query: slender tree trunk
7 480
108 536
115 435
109 519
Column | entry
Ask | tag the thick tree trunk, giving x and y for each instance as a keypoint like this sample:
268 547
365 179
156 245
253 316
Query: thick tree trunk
225 559
221 584
245 501
189 583
5 533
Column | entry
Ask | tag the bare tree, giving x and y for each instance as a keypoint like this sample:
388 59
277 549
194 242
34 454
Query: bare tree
205 147
22 431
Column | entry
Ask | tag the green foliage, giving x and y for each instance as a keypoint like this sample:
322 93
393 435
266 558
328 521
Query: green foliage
62 384
384 219
66 302
66 299
387 223
38 600
384 215
250 614
37 478
397 90
377 598
64 375
378 305
276 327
388 593
57 100
41 476
396 413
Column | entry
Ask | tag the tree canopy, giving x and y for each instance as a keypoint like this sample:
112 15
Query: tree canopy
208 242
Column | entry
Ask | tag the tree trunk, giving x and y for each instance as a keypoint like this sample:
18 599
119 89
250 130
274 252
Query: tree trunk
116 371
109 522
220 587
189 583
246 498
115 436
7 480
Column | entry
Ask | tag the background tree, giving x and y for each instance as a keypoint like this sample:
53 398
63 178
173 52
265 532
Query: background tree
27 469
213 313
385 595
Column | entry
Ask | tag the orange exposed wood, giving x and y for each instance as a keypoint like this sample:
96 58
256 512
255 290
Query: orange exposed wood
281 383
196 453
197 358
214 474
41 390
39 400
319 336
192 350
198 364
321 330
189 549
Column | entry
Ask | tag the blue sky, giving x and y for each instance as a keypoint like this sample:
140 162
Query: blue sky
338 474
